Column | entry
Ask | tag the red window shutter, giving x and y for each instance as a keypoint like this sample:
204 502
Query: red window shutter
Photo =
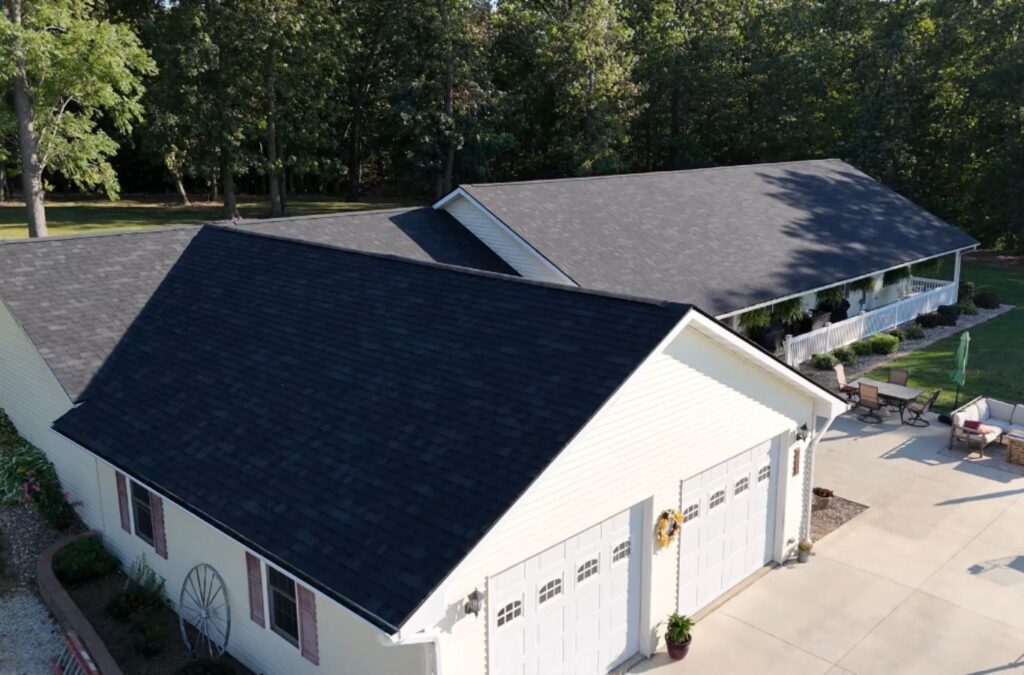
122 501
156 507
252 564
309 645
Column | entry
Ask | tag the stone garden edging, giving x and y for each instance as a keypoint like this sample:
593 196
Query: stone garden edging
66 611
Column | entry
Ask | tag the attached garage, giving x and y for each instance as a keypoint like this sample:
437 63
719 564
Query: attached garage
574 608
729 527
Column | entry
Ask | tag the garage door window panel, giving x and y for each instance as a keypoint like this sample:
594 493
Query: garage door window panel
510 612
549 590
587 570
717 499
620 552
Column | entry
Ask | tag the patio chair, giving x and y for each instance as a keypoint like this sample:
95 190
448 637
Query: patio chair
917 410
844 387
871 403
899 376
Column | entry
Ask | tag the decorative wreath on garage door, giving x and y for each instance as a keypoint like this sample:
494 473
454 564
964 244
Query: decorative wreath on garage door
668 526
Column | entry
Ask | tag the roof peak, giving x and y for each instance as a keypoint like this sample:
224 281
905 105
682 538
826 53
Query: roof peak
442 267
351 213
637 174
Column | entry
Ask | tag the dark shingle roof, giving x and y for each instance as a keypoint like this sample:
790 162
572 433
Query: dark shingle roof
75 296
723 238
362 420
417 233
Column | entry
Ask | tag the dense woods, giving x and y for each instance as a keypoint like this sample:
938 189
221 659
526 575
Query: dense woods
413 96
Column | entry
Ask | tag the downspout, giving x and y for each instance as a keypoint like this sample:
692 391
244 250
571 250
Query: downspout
433 639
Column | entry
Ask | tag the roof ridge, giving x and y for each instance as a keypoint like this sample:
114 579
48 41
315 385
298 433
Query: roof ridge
312 216
652 173
468 271
151 229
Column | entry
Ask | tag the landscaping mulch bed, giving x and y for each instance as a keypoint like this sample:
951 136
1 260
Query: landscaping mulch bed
839 511
121 637
865 364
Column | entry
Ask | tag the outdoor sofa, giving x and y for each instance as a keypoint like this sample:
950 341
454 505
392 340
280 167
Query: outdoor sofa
996 419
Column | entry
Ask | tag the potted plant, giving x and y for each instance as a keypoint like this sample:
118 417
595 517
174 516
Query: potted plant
803 550
677 635
822 498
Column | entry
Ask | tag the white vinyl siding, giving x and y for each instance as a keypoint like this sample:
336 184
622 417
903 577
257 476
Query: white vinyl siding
33 399
688 408
348 644
506 245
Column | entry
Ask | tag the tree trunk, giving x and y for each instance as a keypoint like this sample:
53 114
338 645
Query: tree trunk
230 200
31 169
3 185
182 194
273 174
354 161
448 160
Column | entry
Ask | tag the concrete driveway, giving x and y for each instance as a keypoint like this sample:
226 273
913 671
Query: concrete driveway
929 580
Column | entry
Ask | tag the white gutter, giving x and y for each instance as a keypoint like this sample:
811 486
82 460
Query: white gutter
397 640
783 298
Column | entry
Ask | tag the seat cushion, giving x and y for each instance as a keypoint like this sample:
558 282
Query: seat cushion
968 413
1018 415
997 424
991 433
1000 410
983 410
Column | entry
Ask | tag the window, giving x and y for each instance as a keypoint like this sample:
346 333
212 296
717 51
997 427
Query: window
586 570
764 473
741 486
509 612
284 610
549 590
142 513
717 499
620 552
796 461
691 512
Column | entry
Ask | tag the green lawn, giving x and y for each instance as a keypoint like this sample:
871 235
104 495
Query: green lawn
71 217
996 363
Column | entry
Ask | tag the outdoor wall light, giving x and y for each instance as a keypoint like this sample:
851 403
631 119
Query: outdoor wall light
474 603
803 433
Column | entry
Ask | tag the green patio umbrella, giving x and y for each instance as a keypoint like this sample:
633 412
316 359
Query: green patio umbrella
959 375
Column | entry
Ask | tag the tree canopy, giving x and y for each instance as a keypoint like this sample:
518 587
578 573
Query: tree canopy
284 97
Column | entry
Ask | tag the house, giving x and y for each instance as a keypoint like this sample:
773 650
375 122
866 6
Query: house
730 240
365 447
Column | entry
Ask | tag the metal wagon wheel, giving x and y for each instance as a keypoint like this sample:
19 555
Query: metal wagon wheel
204 614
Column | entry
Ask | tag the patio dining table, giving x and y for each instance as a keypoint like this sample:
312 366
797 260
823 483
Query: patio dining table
894 393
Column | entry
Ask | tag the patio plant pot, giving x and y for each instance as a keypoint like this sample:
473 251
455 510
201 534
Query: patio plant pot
678 651
821 499
803 556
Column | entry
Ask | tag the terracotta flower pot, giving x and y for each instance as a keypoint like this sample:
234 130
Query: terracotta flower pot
678 651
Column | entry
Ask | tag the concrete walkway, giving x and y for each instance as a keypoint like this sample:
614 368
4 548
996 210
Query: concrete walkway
928 580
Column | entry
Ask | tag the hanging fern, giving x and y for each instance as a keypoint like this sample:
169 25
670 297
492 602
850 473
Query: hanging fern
788 311
927 268
893 277
865 285
756 319
831 298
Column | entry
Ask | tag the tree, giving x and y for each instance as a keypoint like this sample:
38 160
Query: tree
67 68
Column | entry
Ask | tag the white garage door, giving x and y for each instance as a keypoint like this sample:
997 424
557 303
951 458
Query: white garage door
730 523
574 608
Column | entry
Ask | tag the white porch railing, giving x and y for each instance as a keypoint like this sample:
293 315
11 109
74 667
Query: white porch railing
933 293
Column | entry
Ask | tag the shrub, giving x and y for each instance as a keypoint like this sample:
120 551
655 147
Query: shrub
914 331
929 320
986 298
150 626
949 310
884 344
206 667
823 361
966 290
83 559
26 475
967 307
898 334
143 591
862 348
845 356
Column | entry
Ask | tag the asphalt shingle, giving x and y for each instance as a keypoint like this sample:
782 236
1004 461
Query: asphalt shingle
362 420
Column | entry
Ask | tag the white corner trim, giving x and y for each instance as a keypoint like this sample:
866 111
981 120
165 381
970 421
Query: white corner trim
497 223
783 298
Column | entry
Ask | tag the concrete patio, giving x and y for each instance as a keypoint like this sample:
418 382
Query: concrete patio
929 580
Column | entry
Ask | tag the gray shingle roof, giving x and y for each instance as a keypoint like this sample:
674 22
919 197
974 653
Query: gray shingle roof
75 296
361 420
723 238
